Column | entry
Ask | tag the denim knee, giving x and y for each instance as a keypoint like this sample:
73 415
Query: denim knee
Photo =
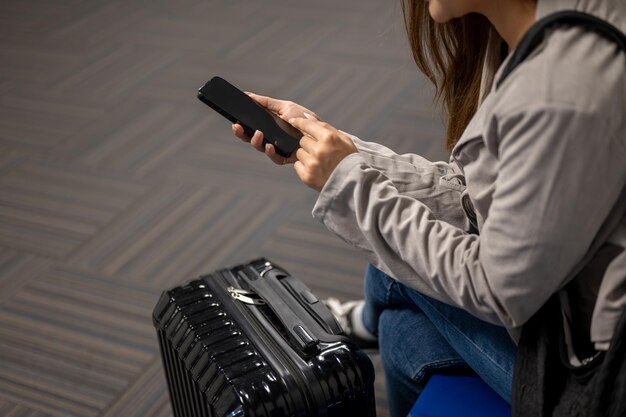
411 350
412 347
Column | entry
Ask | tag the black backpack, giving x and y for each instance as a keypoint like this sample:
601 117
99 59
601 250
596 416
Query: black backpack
544 382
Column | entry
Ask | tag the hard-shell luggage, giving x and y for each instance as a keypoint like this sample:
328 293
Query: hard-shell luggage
254 341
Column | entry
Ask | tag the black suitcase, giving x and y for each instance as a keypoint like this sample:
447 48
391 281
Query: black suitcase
254 341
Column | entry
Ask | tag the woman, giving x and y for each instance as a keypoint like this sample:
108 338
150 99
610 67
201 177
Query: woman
464 253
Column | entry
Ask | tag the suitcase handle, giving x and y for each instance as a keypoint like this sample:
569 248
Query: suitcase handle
273 293
311 303
299 291
270 288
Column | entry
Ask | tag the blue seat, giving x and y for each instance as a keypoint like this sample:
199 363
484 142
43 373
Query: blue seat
459 396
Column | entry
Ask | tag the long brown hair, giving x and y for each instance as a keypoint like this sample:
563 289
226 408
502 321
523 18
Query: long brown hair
451 55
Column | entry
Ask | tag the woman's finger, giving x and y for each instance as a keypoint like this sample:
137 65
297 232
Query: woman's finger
304 157
270 151
302 172
238 131
313 128
262 100
308 144
312 116
257 141
268 102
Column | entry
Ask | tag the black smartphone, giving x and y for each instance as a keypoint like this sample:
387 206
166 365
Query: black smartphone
238 107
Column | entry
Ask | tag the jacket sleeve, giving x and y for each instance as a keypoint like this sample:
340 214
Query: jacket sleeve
560 172
439 185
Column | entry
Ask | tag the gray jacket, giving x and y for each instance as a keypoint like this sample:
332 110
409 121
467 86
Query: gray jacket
540 171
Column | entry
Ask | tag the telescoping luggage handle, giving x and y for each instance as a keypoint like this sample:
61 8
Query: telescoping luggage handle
535 34
265 289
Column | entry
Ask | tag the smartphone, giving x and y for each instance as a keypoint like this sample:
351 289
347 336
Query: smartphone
238 107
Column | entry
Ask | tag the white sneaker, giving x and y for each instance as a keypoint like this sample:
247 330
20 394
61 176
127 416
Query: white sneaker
355 331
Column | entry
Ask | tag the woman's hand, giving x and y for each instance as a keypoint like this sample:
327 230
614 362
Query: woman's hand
285 110
322 148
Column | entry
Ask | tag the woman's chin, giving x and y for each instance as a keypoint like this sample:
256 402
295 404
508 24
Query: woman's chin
437 13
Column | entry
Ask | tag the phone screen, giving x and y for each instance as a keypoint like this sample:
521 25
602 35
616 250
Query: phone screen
238 107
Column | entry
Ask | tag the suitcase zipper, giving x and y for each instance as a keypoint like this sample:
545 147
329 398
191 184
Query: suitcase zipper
275 347
246 297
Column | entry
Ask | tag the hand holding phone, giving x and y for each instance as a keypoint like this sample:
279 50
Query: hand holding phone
238 107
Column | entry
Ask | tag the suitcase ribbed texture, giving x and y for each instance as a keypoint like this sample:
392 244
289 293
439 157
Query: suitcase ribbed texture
222 360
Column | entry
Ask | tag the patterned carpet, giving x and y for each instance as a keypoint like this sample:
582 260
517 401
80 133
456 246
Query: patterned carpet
116 183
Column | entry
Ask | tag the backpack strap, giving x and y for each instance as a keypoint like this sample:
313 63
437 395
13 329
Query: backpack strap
535 35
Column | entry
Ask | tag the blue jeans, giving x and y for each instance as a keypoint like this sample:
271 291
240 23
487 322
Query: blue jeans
419 336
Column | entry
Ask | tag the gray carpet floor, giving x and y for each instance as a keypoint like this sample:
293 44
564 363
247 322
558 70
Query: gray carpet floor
117 183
